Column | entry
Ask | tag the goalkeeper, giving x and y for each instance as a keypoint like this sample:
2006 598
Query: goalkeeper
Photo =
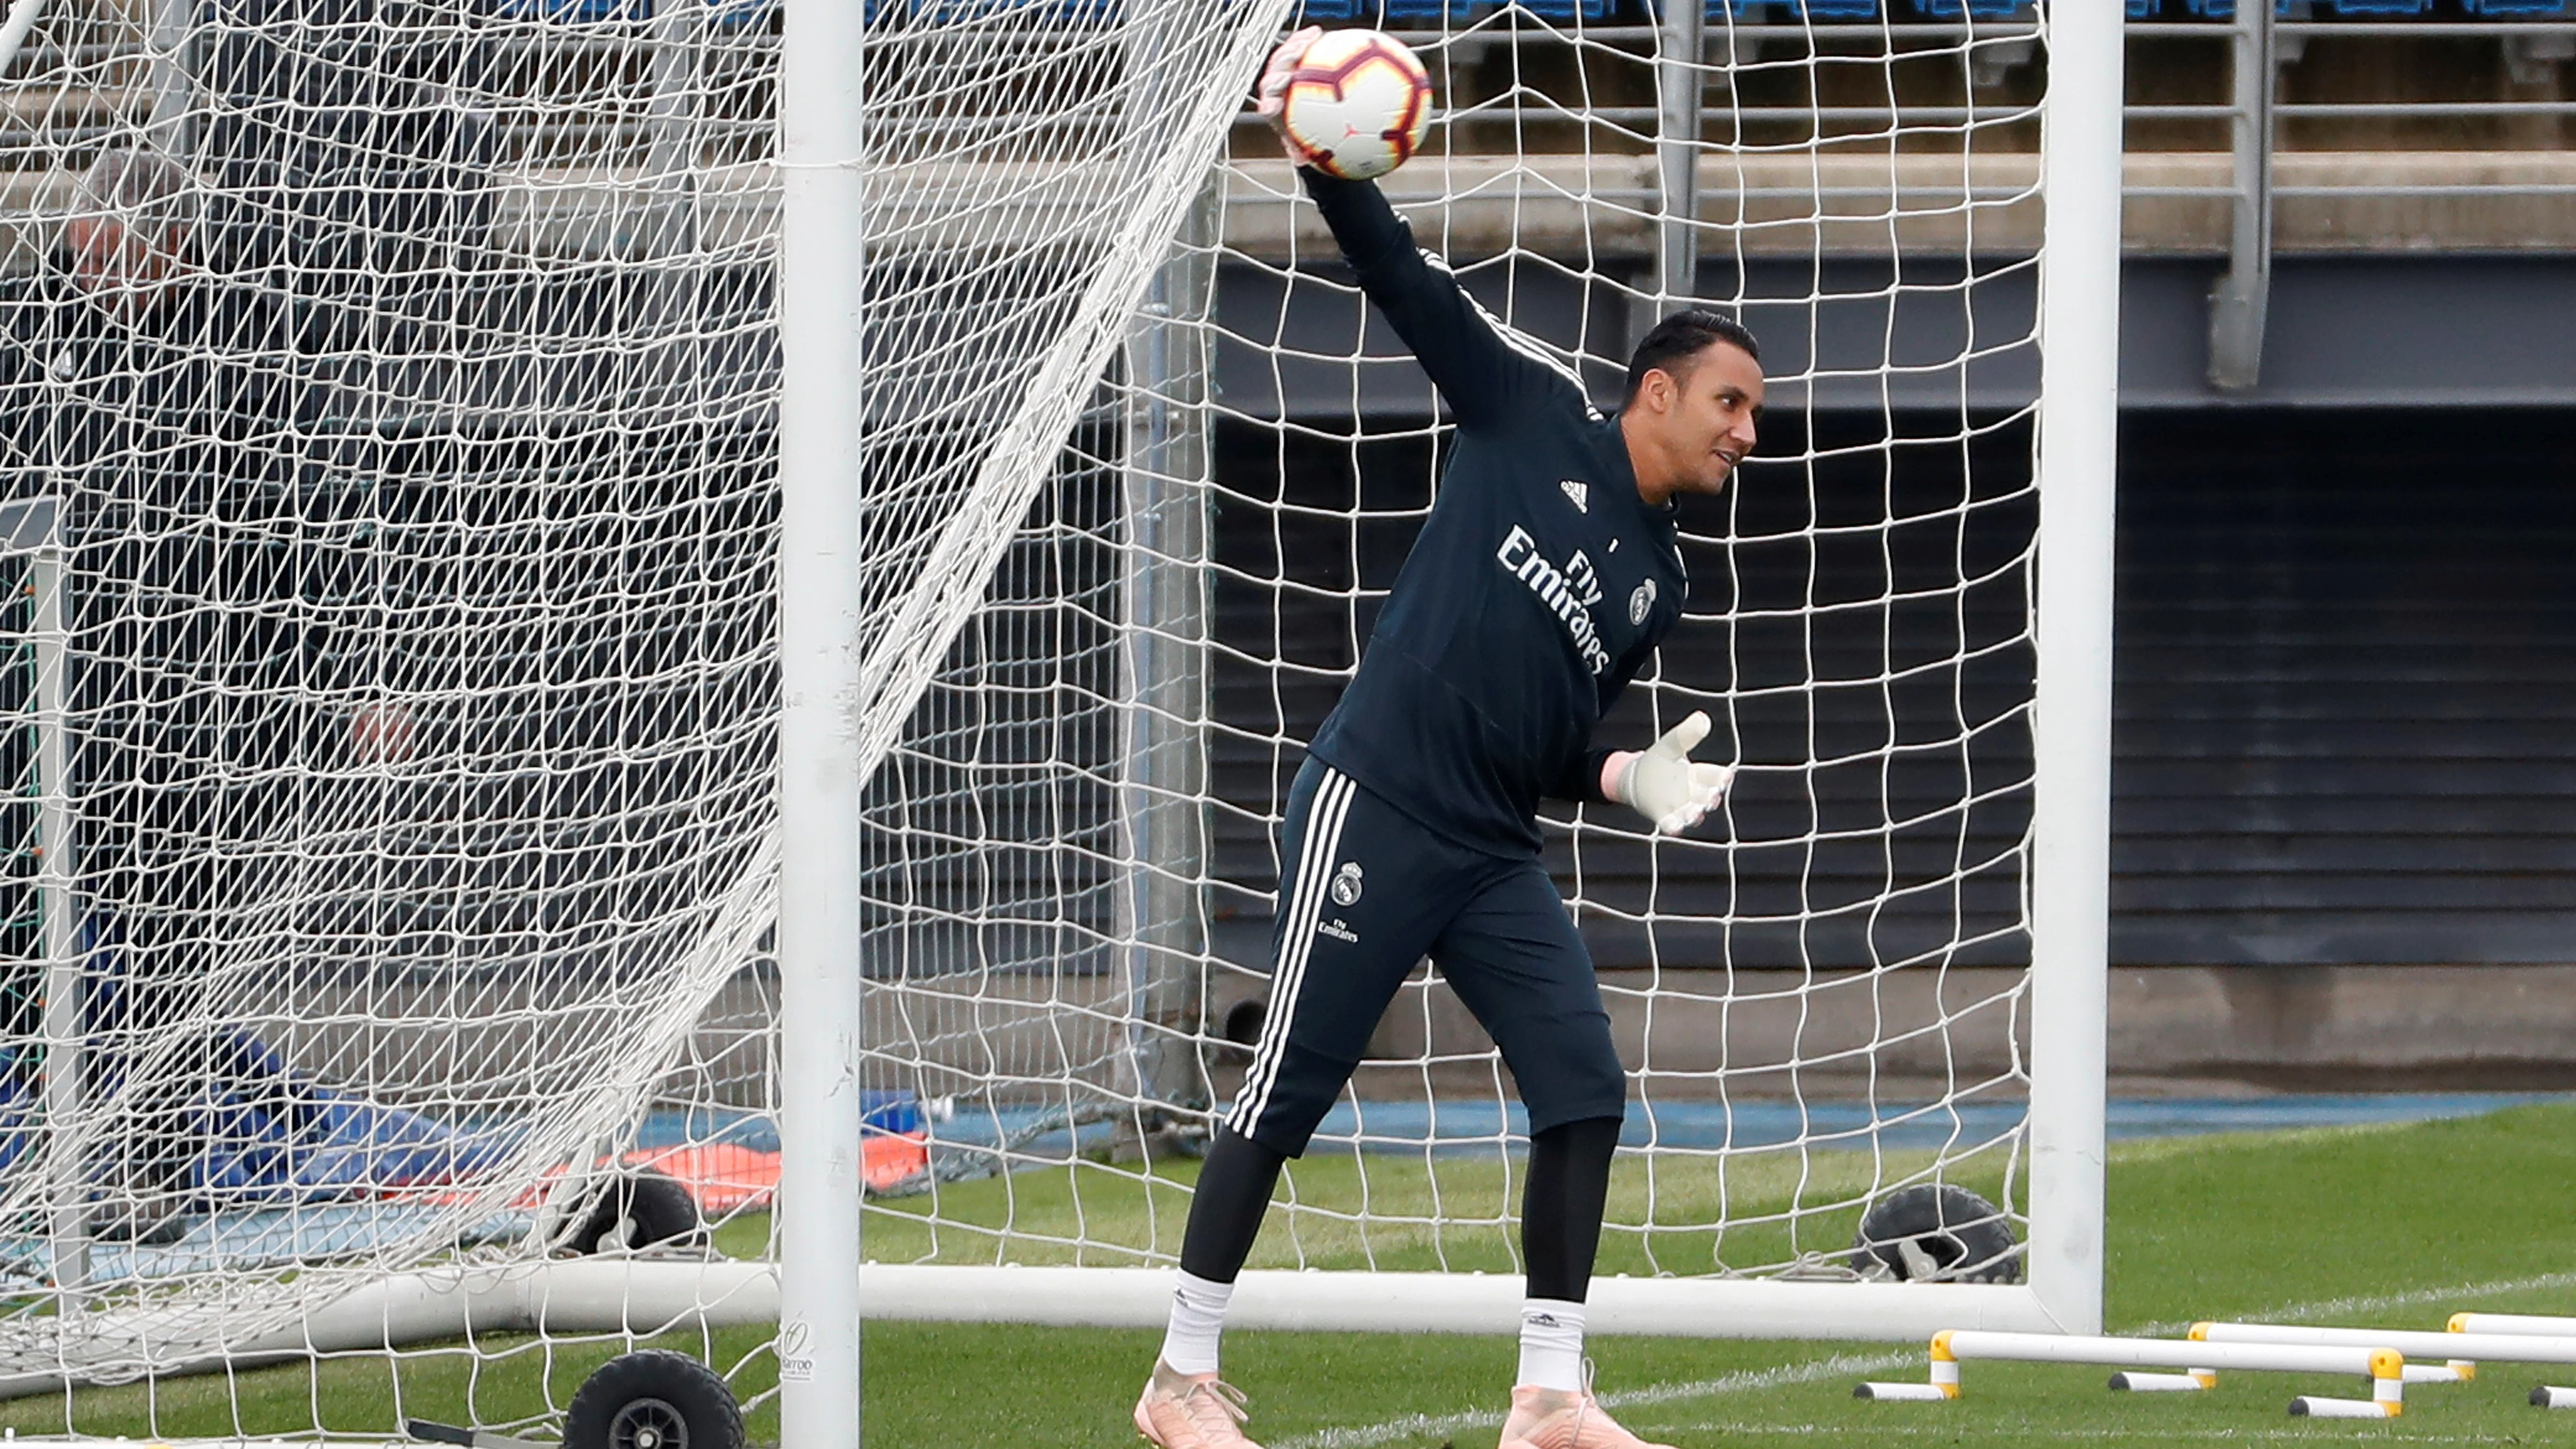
1539 586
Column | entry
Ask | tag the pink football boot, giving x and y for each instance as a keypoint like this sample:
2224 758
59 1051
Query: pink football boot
1191 1411
1560 1419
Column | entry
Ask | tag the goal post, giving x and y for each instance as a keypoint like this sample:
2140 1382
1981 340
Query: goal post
2071 727
822 604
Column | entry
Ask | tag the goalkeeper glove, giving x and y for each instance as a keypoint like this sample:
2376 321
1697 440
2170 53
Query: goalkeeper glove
1663 783
1270 99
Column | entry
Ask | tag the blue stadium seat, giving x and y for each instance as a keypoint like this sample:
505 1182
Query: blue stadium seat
2377 9
1415 14
722 12
2516 9
2226 9
1790 9
2142 9
580 10
1563 10
1974 9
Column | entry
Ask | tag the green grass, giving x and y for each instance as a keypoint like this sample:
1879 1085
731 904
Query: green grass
1445 1213
2395 1226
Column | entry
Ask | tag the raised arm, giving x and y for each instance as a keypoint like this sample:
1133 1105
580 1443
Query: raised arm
1486 372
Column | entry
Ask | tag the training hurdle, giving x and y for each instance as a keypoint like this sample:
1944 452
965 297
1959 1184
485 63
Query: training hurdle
2543 1396
2518 1325
2465 1350
2385 1367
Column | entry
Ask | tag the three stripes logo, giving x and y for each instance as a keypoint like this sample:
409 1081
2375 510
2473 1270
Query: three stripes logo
1303 892
1576 489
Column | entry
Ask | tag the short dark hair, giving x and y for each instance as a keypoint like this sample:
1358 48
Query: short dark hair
1683 336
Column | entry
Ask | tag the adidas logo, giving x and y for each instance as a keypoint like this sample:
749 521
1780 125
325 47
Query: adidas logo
1582 496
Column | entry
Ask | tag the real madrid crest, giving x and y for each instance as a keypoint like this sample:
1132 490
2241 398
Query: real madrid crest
1642 602
1346 884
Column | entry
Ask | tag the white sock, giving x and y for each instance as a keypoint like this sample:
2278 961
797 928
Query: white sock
1198 1316
1552 1344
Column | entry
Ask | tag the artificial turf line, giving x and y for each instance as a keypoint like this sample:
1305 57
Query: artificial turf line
1737 1382
2023 1434
2410 1299
1804 1373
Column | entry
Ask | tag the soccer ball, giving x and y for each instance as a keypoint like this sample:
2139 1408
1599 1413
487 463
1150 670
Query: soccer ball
1357 104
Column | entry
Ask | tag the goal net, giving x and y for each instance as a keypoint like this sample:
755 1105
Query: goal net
1829 997
389 667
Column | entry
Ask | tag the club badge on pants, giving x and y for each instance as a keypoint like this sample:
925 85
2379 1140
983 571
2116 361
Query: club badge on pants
1346 884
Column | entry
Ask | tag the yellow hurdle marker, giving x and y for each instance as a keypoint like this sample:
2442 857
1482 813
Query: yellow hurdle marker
2200 1363
2465 1350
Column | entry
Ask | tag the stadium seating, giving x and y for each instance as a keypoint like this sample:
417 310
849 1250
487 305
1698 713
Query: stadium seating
2226 9
1432 14
1974 9
1790 9
2370 9
1560 10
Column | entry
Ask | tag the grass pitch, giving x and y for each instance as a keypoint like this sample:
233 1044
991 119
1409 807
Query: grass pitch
2393 1226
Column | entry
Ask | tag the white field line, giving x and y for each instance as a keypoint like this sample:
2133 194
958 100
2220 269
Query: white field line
2147 1431
1446 1425
2413 1298
1839 1365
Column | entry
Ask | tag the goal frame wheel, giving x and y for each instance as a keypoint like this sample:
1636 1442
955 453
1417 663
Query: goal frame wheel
653 1209
1936 1232
653 1399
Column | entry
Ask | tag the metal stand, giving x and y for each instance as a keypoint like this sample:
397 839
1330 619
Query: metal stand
1163 584
1683 40
2240 300
33 531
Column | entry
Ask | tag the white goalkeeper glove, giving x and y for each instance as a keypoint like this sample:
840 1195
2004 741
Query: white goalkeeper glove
1663 783
1270 101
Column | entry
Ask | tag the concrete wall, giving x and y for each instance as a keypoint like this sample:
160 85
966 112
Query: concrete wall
2172 1029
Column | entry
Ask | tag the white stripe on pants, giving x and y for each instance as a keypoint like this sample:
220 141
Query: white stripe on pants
1303 905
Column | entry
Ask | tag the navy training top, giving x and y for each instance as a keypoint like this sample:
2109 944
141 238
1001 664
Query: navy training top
1538 587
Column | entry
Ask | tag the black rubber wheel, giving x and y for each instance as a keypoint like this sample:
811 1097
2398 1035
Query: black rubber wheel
642 1209
1933 1232
653 1399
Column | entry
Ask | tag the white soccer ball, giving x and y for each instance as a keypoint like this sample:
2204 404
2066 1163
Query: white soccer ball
1357 104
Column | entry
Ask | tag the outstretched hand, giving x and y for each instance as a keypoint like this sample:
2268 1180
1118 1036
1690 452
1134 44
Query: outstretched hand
1270 99
1664 784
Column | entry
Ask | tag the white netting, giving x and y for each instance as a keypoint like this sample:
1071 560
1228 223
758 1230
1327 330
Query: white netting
397 384
1822 996
404 376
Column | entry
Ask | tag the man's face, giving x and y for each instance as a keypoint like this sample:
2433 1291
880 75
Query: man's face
118 264
1709 422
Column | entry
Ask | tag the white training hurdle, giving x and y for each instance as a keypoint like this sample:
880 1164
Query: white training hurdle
2545 1396
2465 1351
2520 1325
2198 1360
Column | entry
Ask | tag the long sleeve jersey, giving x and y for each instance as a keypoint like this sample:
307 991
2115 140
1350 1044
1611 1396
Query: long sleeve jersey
1538 587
